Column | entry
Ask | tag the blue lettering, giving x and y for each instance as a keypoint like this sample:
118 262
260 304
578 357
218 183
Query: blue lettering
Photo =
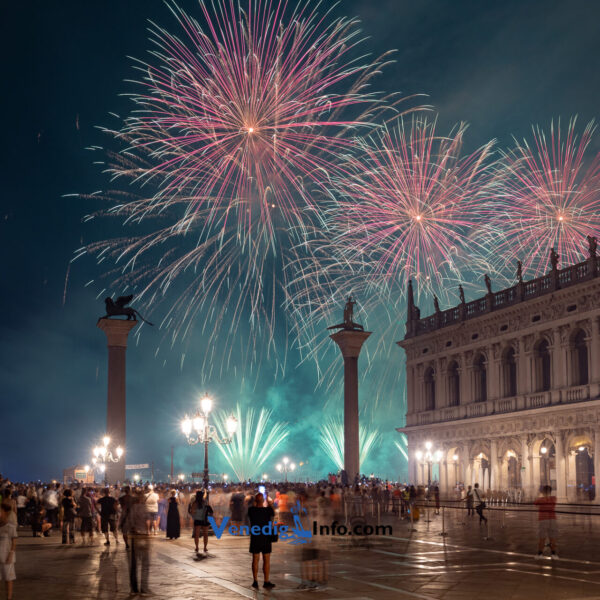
244 530
255 530
233 530
267 529
283 528
218 530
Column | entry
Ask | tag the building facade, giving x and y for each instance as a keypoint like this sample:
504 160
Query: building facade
505 390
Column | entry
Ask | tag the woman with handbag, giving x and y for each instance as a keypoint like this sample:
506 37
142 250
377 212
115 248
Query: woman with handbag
260 516
479 503
200 511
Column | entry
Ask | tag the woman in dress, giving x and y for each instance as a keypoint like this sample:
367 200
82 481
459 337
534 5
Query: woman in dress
260 515
162 511
173 522
200 511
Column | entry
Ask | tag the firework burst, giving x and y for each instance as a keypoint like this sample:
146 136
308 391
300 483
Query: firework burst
255 441
549 197
331 441
237 127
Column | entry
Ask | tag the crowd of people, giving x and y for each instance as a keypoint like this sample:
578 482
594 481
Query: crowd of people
135 514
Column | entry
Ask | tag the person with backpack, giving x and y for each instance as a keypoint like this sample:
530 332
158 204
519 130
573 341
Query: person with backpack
69 510
478 499
200 511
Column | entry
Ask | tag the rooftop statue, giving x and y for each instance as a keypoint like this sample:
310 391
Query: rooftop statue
118 307
488 283
461 294
348 323
519 272
592 245
554 258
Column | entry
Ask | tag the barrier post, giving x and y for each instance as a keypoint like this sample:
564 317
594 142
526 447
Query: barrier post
443 533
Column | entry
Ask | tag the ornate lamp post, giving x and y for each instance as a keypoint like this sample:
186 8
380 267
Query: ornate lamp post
197 431
429 456
103 455
285 466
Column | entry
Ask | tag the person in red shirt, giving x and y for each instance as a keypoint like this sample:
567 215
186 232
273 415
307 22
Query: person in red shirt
546 504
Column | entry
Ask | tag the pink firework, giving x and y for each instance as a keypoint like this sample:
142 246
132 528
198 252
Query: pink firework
549 191
242 113
412 207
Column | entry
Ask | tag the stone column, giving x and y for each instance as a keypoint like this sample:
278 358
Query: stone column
350 343
525 375
493 464
571 475
594 368
561 471
525 464
596 458
116 331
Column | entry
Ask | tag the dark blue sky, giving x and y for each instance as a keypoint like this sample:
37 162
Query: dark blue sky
499 65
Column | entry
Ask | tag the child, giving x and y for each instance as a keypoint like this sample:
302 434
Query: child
8 544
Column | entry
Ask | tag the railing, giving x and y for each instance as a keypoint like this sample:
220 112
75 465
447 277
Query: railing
477 410
538 400
503 405
578 394
561 278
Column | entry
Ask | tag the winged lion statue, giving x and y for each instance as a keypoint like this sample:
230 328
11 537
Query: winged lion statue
118 307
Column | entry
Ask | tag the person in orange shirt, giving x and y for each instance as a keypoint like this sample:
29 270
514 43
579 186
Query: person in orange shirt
546 504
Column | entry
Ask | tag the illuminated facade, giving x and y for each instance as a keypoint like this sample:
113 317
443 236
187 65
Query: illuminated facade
505 390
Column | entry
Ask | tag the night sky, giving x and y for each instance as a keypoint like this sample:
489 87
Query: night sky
501 66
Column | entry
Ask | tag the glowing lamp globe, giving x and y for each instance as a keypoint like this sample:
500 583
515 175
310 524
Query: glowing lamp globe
186 426
206 404
232 425
198 424
119 452
106 441
418 455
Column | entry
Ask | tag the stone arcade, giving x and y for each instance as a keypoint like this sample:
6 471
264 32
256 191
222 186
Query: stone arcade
505 390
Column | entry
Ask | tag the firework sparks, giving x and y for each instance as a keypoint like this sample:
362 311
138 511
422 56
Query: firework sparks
255 441
549 192
237 124
331 440
412 207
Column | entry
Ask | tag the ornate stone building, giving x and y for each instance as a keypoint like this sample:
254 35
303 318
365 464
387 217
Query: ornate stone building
505 390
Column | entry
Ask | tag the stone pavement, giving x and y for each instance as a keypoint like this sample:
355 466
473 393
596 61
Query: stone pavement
471 562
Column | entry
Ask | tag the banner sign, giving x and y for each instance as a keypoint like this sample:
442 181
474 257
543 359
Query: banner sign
134 467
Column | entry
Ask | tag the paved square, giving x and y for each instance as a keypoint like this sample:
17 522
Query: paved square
408 564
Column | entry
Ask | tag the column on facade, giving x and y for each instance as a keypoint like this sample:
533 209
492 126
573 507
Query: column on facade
525 467
561 471
420 389
595 361
493 464
466 382
494 364
524 373
443 476
561 364
468 471
571 475
535 474
597 464
440 385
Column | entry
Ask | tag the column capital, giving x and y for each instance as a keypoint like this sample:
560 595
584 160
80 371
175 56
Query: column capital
116 330
350 342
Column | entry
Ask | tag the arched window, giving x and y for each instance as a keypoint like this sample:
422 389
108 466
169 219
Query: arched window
453 384
542 366
509 373
480 375
429 389
579 359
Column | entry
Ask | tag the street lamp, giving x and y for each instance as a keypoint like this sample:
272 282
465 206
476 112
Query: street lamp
197 431
430 456
103 454
285 466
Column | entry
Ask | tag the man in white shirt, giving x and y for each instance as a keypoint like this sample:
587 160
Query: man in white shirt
151 510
